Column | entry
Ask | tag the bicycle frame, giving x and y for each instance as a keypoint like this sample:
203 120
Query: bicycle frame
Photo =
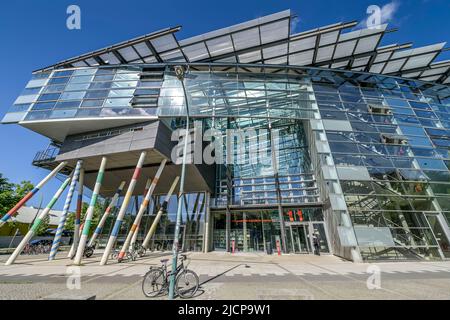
166 273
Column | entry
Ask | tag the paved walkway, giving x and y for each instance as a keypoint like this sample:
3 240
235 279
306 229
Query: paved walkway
238 276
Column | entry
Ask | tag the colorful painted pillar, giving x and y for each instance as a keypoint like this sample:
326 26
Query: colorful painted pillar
62 220
152 230
30 194
37 223
123 208
135 226
106 214
76 229
90 213
135 234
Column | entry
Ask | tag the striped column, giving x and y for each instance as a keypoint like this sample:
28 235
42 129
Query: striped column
90 213
133 240
30 194
76 229
135 226
37 223
152 230
63 218
123 208
106 214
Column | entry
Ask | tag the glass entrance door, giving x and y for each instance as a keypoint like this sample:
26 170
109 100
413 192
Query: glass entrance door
300 238
302 234
319 231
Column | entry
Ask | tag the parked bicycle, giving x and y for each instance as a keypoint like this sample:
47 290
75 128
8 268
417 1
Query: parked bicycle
156 280
129 256
139 249
28 249
37 247
161 246
114 255
136 251
89 251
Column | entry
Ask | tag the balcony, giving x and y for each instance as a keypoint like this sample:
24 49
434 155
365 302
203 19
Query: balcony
47 155
46 159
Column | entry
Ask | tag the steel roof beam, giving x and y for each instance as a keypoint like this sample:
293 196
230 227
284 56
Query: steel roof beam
118 46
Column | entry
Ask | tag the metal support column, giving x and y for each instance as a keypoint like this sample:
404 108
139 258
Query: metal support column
63 218
90 213
123 209
76 228
206 226
180 73
277 187
143 207
37 223
30 194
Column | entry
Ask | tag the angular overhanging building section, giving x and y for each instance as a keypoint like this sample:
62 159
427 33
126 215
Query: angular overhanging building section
123 145
351 137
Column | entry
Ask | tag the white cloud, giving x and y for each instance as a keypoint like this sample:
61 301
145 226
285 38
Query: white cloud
294 23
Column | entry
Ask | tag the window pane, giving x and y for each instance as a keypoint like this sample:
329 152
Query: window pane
50 96
76 95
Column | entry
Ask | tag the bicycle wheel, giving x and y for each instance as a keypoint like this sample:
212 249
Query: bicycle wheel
141 252
131 256
88 252
153 283
187 284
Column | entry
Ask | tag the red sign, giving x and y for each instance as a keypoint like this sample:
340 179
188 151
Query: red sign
300 214
278 247
291 217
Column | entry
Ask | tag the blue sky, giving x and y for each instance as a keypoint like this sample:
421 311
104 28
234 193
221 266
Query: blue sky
34 35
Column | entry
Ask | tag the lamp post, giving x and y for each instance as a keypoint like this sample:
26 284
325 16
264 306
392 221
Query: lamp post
180 73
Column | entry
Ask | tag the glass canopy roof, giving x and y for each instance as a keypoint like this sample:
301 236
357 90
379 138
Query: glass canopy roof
269 40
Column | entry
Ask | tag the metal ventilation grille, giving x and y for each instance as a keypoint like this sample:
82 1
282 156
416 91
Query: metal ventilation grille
147 93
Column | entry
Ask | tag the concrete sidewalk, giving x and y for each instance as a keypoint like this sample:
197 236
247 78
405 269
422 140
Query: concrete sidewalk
237 276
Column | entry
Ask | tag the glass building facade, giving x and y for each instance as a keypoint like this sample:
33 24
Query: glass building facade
359 158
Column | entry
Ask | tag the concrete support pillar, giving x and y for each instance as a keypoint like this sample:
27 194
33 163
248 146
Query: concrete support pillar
90 213
120 216
76 230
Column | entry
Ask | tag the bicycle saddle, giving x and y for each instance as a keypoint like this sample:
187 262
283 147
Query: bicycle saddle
164 260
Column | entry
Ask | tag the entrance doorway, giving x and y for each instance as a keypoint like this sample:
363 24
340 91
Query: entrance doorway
301 237
259 230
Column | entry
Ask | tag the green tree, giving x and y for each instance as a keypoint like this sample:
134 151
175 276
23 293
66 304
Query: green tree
43 227
98 212
11 193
